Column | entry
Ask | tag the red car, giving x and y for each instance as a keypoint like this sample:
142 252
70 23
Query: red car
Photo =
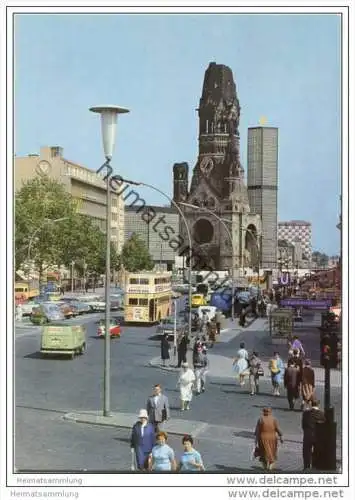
115 329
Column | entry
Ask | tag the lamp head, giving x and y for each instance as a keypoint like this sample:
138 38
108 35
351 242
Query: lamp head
108 126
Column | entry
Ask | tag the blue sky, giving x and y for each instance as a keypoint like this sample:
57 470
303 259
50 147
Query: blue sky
286 67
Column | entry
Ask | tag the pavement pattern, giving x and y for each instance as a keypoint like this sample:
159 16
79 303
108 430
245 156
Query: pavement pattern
49 391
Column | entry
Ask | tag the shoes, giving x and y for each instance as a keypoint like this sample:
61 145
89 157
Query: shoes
187 407
252 393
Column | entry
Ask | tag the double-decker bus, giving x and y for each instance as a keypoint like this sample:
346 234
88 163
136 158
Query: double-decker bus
147 297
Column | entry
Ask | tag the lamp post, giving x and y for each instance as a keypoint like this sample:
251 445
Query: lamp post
181 213
223 222
108 129
72 275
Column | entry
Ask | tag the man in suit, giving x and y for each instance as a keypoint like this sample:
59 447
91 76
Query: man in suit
142 440
292 380
158 407
310 418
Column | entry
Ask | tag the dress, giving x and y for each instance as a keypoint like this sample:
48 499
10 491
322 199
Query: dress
162 457
186 380
266 432
276 367
241 365
187 457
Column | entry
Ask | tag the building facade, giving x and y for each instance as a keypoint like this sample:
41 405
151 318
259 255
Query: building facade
297 231
85 185
262 187
153 231
217 182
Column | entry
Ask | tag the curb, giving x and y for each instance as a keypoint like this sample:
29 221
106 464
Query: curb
128 421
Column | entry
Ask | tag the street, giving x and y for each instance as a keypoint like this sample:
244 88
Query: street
46 389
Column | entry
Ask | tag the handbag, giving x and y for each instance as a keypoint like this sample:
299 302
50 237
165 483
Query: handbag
260 372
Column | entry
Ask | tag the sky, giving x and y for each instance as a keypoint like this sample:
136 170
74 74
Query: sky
287 68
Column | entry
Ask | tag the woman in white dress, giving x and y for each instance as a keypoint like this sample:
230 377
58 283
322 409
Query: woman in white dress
186 382
241 364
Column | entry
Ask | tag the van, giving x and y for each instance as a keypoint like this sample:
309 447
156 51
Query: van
63 339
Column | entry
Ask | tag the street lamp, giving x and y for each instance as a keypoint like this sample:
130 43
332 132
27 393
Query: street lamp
72 275
181 213
108 129
222 221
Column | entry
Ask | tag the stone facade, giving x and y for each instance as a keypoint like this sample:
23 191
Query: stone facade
217 183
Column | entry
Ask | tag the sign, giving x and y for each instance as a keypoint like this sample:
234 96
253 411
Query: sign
138 314
138 289
312 304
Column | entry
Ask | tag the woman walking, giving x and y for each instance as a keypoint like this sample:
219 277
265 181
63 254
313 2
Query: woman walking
241 364
267 432
165 349
162 457
276 367
190 460
186 382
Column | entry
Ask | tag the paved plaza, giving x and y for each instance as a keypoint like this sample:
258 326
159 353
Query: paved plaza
58 402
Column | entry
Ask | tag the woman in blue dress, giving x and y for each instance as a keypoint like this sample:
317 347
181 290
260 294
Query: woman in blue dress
190 460
162 457
277 368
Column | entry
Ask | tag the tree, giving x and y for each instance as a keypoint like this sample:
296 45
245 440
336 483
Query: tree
40 201
321 259
135 255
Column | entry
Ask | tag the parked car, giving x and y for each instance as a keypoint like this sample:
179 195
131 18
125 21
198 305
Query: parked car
78 305
68 310
115 328
28 306
96 303
116 302
46 313
167 326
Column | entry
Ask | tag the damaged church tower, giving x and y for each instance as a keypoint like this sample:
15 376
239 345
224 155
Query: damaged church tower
218 180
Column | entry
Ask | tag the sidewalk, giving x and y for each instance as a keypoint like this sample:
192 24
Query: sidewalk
179 427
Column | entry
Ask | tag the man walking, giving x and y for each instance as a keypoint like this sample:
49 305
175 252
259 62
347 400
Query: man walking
182 349
292 380
200 363
158 408
310 418
142 440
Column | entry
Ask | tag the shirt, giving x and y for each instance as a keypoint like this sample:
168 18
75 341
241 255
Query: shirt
156 400
142 428
162 457
190 456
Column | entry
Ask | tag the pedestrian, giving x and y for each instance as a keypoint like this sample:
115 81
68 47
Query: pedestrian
256 371
211 329
203 323
162 457
190 460
164 349
292 381
158 407
297 344
200 362
267 432
310 418
182 349
276 367
185 382
142 440
242 316
307 384
86 287
19 312
218 322
296 358
241 364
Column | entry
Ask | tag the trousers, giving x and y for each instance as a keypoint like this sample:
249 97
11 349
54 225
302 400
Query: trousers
200 374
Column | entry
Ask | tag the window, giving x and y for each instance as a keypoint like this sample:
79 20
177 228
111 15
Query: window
133 302
144 281
134 281
143 302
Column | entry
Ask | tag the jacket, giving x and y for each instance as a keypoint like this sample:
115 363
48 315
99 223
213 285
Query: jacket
146 442
160 411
